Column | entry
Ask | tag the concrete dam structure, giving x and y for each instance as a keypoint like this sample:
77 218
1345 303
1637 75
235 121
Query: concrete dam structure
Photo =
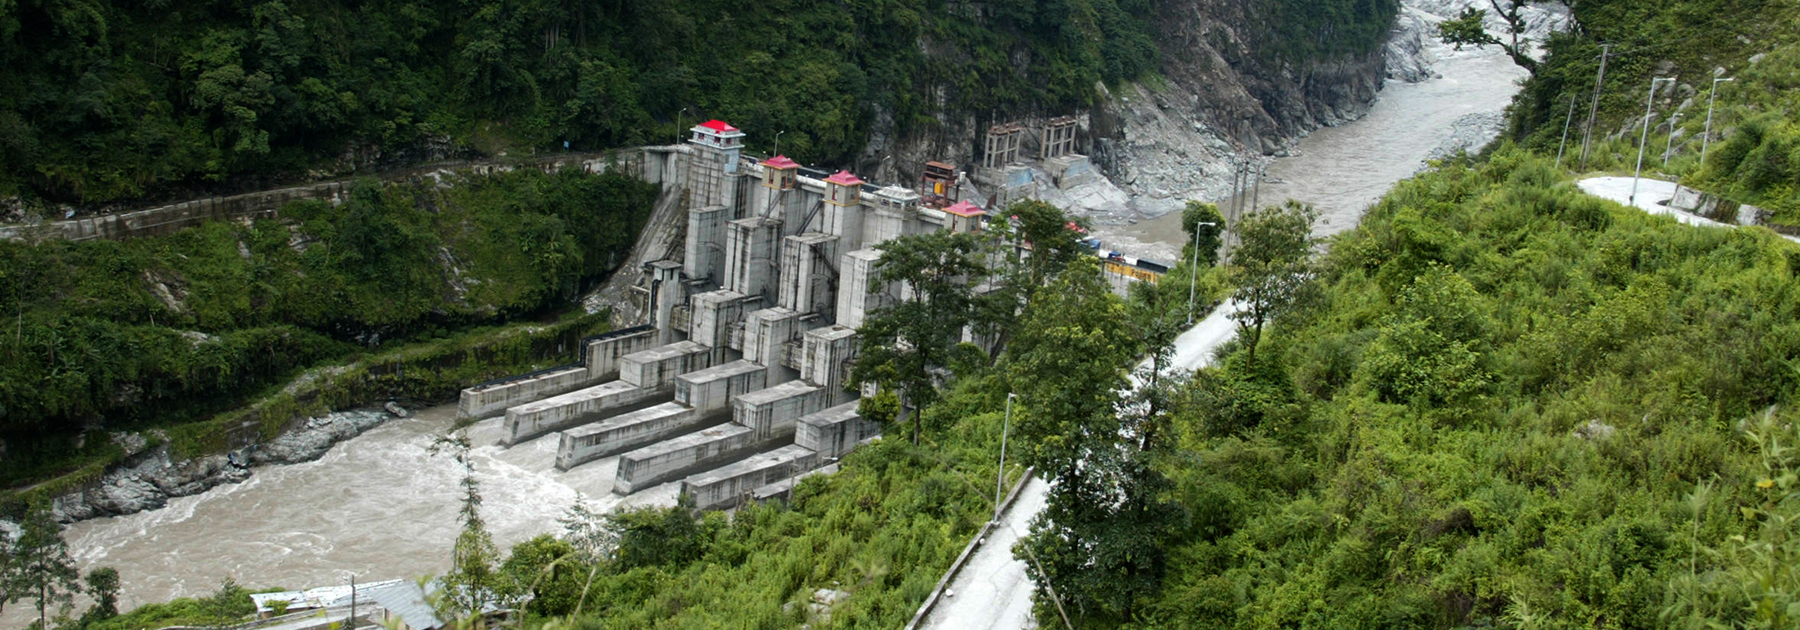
737 379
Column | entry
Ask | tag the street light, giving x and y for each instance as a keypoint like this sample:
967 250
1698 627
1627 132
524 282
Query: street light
1195 278
1710 100
1000 481
1644 139
1670 146
778 141
678 116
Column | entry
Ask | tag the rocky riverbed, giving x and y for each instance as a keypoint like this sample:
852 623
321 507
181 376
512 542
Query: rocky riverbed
149 477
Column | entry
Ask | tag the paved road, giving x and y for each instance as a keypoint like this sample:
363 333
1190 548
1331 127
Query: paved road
992 590
1653 196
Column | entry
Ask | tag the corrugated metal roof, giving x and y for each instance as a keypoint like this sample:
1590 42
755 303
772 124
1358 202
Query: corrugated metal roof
407 601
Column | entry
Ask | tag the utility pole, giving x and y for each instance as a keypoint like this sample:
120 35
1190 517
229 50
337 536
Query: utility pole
1195 278
1649 100
1594 109
1000 482
1711 99
1256 197
1565 137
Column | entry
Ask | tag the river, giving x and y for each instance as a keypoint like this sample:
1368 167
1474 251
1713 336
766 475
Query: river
380 507
1342 170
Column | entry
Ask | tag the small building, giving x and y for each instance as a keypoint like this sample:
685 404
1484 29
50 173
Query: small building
780 173
843 189
965 217
717 134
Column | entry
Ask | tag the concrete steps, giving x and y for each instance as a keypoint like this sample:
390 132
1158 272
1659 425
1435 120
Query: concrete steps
530 420
623 432
727 486
673 458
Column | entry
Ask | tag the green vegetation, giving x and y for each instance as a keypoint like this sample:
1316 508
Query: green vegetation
229 605
1497 414
1752 155
114 101
167 330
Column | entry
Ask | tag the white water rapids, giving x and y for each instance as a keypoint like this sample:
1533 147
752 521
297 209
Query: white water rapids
378 506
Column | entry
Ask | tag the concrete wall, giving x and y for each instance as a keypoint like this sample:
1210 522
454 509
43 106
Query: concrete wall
856 272
556 413
671 459
806 282
765 332
602 355
711 390
657 367
589 442
825 353
750 256
713 314
833 432
772 411
705 255
724 487
492 400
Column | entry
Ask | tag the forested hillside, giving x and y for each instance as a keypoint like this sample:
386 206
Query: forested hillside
1753 153
113 101
109 335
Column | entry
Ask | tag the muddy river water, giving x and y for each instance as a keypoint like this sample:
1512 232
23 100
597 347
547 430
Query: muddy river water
379 506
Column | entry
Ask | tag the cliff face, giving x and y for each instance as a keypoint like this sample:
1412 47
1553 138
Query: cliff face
1230 87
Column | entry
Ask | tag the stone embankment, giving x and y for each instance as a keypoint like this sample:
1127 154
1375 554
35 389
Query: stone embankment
150 477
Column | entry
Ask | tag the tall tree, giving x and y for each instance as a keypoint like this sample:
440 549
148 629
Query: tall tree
1273 267
1100 541
41 569
904 344
473 583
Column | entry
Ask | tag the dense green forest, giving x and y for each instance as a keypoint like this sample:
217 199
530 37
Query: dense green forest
156 331
1754 153
114 101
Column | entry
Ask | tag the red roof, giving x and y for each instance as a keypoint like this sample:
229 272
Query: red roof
718 125
965 209
780 161
844 178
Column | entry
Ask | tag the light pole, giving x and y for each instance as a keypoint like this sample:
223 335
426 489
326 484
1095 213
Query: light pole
678 116
1195 278
778 142
1000 480
1670 146
1643 139
1711 99
1565 136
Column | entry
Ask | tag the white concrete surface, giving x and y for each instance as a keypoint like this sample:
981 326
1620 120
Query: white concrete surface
992 591
1653 196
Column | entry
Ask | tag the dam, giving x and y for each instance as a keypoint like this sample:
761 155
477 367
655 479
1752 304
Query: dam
736 376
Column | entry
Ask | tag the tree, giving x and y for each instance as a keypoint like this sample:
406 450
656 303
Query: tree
549 571
1273 267
1068 366
906 343
473 584
1196 213
1470 28
103 587
1101 543
41 569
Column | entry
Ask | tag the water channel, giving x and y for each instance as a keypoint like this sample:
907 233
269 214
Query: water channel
380 507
